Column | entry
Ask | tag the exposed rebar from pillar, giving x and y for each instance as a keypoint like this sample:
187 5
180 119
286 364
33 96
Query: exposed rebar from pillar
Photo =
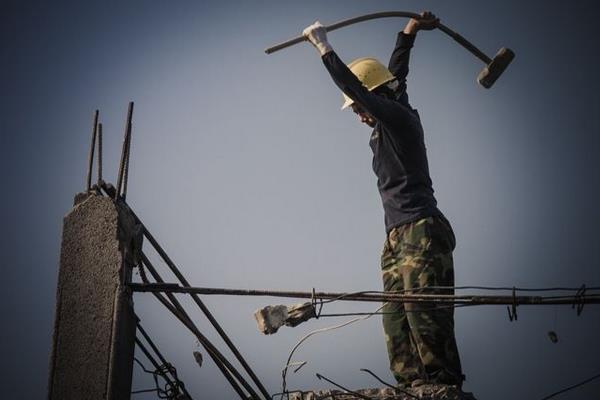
126 169
154 363
222 363
200 304
161 357
91 152
192 328
99 153
124 152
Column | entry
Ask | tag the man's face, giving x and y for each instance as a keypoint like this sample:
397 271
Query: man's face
364 116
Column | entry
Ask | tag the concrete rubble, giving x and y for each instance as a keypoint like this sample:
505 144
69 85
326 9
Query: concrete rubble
271 318
423 392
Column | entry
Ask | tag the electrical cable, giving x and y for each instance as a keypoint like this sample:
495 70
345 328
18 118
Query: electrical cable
572 387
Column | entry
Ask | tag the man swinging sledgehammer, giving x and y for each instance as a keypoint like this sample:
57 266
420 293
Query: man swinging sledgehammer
418 249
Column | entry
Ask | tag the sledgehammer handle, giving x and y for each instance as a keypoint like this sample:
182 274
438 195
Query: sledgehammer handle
465 43
461 40
286 44
341 24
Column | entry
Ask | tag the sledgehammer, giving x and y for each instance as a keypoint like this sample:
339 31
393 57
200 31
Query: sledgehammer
494 67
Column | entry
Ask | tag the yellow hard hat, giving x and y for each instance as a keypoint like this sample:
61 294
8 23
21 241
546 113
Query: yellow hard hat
370 72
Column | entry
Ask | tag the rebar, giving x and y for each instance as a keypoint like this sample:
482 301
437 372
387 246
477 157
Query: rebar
379 297
124 151
99 153
362 396
192 328
126 169
112 192
205 310
395 388
91 152
160 356
222 363
154 362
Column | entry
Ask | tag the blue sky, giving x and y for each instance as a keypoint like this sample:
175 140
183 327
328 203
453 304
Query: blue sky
250 176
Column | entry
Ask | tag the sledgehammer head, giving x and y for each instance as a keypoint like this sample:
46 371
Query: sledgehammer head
494 69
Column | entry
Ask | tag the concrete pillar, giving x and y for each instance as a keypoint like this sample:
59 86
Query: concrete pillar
94 331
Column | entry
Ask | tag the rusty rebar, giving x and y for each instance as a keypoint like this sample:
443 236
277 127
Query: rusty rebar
204 309
153 362
160 356
126 169
362 396
378 297
222 363
91 152
124 151
99 153
113 192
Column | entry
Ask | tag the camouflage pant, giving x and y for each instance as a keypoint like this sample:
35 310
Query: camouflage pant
420 338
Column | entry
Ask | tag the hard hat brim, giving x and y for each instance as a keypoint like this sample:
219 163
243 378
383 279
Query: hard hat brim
348 102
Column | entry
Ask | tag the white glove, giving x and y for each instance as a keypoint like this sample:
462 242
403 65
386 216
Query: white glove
317 35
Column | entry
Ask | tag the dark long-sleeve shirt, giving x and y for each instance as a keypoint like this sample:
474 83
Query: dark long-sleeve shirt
399 155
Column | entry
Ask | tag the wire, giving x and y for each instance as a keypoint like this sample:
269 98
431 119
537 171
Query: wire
436 308
170 390
167 260
449 288
572 387
396 389
298 365
362 396
321 330
144 391
518 289
232 375
168 368
411 295
165 365
363 316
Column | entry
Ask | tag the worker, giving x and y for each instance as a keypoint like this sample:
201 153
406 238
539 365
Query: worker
417 253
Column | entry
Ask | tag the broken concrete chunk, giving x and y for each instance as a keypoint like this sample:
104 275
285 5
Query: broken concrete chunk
299 313
271 318
198 358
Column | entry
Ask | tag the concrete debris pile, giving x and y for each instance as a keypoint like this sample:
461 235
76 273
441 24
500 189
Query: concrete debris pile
423 392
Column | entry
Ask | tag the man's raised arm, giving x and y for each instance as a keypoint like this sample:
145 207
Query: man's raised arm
399 59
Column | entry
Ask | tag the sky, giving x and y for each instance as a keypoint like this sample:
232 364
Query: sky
250 176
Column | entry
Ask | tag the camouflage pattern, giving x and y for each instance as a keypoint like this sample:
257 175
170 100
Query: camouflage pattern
420 337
